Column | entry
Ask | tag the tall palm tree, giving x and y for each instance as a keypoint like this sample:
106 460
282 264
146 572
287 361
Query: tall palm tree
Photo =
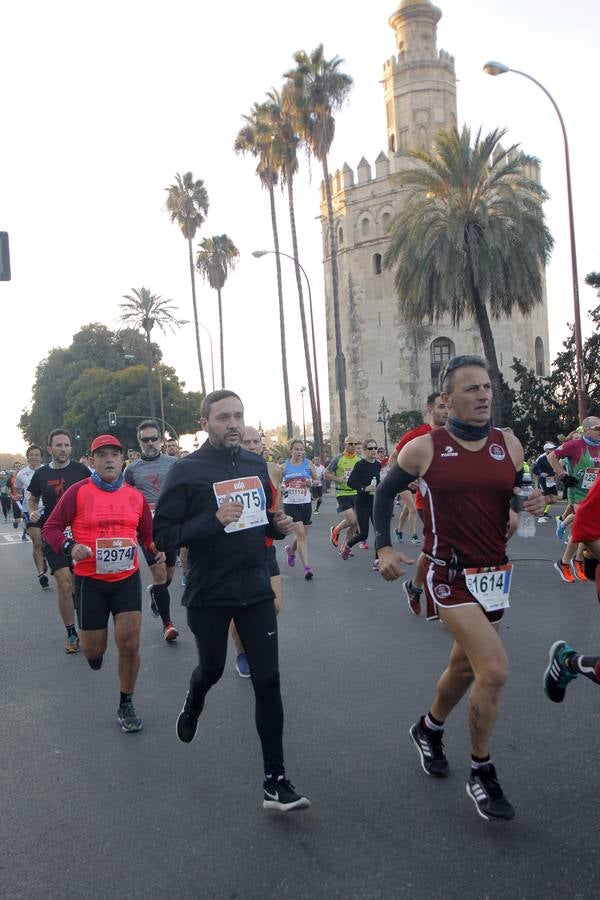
216 257
288 140
187 203
471 240
143 310
316 89
257 138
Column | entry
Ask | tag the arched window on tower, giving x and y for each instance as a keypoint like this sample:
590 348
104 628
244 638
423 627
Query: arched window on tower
539 356
392 143
365 227
442 350
385 222
340 236
377 264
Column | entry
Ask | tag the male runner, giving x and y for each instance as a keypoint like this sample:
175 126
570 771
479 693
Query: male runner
172 448
5 493
22 482
317 489
582 460
468 466
48 484
546 480
148 474
338 471
14 497
215 502
253 443
107 519
565 663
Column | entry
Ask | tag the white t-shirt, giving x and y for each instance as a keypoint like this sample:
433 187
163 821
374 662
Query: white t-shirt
22 482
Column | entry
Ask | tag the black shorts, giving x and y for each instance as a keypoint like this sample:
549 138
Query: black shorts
171 557
16 510
55 561
317 491
300 512
344 503
272 563
96 600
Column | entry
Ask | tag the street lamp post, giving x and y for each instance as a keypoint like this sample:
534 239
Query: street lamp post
302 393
318 426
498 68
212 359
383 417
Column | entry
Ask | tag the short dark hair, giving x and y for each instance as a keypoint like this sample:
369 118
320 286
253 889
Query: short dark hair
56 431
433 397
147 423
215 397
33 447
460 362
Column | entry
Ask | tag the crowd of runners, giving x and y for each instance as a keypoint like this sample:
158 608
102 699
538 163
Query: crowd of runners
460 484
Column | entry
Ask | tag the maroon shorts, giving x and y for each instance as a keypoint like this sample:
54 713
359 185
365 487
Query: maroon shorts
447 588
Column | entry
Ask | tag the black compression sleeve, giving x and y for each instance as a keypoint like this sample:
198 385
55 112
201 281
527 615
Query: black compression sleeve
396 481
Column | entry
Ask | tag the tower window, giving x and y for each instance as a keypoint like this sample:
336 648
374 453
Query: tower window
365 227
539 356
392 143
385 221
377 264
381 366
442 350
340 236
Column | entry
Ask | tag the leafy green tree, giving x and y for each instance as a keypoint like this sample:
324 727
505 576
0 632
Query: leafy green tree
471 240
258 138
317 88
401 422
187 203
216 257
141 311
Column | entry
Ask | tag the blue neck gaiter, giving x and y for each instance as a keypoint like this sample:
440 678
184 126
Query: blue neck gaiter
466 432
590 441
107 485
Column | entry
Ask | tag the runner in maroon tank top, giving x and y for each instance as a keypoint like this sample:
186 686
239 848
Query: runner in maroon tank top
468 472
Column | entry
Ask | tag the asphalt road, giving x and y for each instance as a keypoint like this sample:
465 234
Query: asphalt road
87 811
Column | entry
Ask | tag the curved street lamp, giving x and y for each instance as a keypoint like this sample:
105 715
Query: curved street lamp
497 68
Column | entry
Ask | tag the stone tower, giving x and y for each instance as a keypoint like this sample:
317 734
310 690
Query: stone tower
385 356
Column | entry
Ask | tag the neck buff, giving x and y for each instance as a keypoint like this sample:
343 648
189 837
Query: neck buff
590 441
466 432
107 485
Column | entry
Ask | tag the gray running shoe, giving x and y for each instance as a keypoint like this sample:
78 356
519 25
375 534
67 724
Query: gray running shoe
127 718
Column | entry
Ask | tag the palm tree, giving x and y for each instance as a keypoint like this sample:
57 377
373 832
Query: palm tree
316 89
217 256
142 311
257 138
187 203
471 240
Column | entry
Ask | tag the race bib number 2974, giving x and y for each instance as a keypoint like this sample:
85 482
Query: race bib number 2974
250 492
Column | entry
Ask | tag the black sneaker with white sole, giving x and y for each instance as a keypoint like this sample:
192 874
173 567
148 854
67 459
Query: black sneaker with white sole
279 793
187 721
153 606
431 750
484 790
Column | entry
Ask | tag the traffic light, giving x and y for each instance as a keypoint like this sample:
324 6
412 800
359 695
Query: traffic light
77 434
112 419
4 257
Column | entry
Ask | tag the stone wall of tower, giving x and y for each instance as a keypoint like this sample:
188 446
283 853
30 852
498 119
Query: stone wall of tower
386 356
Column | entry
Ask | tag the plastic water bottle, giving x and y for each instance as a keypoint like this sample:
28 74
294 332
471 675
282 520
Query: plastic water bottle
373 482
526 526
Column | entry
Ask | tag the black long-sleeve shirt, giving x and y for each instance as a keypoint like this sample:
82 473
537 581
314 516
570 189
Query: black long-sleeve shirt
362 476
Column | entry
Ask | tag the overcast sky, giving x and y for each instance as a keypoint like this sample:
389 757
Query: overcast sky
102 104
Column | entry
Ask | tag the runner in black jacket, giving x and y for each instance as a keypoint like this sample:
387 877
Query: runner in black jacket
215 502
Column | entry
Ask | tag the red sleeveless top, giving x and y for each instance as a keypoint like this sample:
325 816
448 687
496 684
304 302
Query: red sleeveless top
466 498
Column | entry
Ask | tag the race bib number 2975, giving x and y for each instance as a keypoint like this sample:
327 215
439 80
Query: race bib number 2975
250 492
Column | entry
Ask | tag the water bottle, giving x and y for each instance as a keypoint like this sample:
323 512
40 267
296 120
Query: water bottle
526 526
373 482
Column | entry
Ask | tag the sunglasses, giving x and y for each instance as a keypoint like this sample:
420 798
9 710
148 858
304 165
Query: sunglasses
149 440
352 443
457 362
370 448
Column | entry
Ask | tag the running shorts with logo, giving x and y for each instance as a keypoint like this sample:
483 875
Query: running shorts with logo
482 481
97 600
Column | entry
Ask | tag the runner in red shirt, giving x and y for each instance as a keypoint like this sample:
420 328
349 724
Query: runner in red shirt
467 472
107 518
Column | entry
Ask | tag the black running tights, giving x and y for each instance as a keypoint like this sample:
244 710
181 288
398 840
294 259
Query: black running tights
364 514
6 504
257 628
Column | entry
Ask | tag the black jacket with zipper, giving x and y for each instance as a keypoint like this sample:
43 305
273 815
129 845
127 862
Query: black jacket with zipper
224 569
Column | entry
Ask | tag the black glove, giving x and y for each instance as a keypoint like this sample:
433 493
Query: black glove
570 481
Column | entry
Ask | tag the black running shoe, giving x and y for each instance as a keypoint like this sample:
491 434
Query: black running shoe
431 750
557 674
279 793
413 595
44 583
187 721
153 606
487 795
127 718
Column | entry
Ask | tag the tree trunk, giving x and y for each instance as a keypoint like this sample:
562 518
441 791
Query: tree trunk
149 377
193 280
309 377
221 338
489 349
339 353
286 384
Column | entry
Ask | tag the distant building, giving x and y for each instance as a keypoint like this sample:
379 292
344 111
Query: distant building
384 355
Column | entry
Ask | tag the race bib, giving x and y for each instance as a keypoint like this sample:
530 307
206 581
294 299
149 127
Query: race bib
296 490
115 555
490 586
589 477
251 493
